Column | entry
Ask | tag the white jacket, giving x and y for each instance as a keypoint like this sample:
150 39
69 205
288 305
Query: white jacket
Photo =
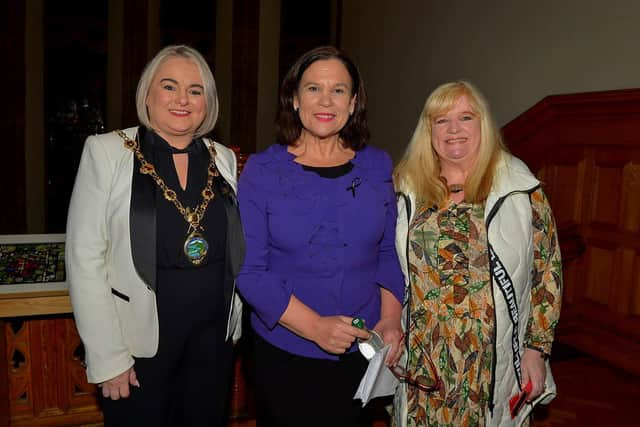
114 307
511 236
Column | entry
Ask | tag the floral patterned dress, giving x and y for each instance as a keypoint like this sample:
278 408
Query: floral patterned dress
452 313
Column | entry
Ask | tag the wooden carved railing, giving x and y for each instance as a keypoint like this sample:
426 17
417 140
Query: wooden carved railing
586 149
42 371
47 382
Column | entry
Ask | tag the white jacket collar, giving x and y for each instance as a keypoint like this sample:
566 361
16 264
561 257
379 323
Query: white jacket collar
511 175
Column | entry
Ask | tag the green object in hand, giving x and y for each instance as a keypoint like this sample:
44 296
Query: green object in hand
358 322
370 346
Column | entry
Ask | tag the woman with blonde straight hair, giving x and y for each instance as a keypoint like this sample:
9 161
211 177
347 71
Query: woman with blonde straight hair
421 157
479 250
153 245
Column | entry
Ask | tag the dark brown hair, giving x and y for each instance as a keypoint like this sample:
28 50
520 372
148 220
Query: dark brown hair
355 132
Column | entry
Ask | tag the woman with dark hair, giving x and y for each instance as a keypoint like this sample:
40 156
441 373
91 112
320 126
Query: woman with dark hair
318 211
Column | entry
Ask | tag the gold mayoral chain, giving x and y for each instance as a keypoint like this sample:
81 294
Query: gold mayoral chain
195 246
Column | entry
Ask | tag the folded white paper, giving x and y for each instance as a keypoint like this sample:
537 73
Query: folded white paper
377 380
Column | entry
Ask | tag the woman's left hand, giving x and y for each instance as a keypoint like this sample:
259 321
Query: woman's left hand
533 369
391 332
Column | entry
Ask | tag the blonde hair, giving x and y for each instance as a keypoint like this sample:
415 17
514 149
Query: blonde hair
210 92
418 172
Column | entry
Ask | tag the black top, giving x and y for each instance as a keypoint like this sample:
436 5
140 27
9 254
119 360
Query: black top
330 171
171 225
184 289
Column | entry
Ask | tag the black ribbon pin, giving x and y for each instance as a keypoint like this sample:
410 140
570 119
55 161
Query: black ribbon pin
355 183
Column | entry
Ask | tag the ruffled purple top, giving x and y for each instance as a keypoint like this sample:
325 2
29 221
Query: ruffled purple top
312 237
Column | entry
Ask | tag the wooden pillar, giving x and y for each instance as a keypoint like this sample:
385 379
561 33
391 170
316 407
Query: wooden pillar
245 74
34 133
133 37
153 27
135 54
268 82
223 69
12 118
336 22
115 46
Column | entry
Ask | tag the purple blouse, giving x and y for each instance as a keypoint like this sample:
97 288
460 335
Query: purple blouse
328 241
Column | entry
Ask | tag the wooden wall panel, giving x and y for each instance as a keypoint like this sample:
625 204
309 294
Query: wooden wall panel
635 297
566 201
571 281
605 204
586 148
631 198
598 274
621 289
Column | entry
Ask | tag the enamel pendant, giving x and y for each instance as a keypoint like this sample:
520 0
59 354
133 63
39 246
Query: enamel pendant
196 248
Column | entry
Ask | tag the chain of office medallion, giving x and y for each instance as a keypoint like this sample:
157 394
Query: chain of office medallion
193 217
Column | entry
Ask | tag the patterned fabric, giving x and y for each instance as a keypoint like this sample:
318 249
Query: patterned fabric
546 290
452 312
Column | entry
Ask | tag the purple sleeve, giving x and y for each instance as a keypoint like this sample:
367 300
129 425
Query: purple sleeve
264 291
388 274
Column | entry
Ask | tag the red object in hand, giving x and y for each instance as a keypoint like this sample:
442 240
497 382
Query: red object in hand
517 401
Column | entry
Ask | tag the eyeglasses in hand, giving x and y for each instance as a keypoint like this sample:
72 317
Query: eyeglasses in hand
426 383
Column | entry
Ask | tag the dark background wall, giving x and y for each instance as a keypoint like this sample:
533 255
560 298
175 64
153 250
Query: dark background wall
72 68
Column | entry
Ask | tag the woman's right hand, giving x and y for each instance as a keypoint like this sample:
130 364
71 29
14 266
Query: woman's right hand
335 334
118 387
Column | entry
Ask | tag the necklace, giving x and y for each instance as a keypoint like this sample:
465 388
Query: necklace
195 245
456 188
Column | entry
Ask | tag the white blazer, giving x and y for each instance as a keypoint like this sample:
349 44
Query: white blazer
114 306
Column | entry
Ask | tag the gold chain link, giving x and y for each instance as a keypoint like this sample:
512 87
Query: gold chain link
193 217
